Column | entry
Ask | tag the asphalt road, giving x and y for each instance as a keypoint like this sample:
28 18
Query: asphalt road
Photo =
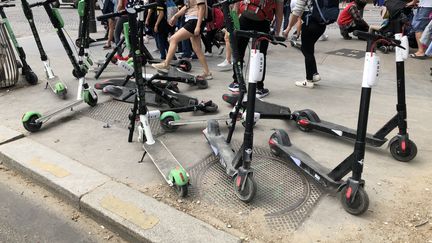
28 213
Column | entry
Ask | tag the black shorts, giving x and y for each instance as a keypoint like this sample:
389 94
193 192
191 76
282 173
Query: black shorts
191 24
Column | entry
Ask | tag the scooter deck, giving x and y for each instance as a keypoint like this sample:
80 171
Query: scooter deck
309 165
162 158
345 132
197 121
126 94
220 147
262 107
176 72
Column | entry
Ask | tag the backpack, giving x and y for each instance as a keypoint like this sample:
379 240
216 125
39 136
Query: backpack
325 12
264 9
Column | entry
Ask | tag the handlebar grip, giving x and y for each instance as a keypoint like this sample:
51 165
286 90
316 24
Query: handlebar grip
41 3
7 5
367 35
111 15
225 2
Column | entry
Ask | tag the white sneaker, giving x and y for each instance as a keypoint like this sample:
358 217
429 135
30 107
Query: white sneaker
316 78
208 54
225 63
323 37
146 40
305 84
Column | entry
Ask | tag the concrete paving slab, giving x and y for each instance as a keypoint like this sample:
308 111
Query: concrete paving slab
57 172
146 218
7 135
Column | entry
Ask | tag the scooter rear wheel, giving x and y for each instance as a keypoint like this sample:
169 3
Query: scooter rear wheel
400 155
182 191
360 203
166 126
248 193
31 77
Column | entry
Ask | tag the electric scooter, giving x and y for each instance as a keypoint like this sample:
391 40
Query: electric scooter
237 164
33 121
353 196
53 82
172 171
401 147
26 70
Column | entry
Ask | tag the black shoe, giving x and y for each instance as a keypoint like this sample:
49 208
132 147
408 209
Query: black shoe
261 93
345 35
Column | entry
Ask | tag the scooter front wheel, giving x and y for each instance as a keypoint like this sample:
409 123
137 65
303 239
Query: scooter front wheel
185 65
403 151
250 187
360 203
31 125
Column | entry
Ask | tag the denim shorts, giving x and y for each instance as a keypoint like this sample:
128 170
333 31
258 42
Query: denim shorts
421 19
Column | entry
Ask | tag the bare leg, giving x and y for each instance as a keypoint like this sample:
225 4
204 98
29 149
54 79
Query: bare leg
228 52
111 23
420 50
196 46
181 34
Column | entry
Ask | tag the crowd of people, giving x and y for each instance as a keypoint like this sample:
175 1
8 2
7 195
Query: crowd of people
196 21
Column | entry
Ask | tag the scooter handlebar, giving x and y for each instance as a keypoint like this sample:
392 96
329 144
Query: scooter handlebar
374 36
275 40
8 5
229 2
41 3
111 15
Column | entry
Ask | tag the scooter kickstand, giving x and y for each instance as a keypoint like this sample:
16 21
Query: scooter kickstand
142 158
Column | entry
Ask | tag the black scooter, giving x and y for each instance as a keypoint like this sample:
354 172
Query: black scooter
53 82
353 196
237 164
401 147
26 70
172 171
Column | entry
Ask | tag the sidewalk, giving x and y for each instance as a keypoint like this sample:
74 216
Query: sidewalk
98 171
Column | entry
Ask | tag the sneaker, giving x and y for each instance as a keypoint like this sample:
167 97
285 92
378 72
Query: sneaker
305 84
207 76
225 63
221 50
234 87
146 40
208 54
161 67
261 93
194 56
345 35
323 37
316 78
185 58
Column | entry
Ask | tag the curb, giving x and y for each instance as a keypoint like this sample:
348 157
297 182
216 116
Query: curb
132 214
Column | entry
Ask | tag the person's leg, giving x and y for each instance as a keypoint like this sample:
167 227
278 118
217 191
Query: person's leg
207 43
287 12
419 23
111 25
118 31
309 37
180 35
196 46
242 43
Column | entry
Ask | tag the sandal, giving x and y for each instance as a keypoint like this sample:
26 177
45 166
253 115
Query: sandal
413 55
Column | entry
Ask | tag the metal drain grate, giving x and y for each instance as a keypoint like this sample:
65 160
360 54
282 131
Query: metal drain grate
284 194
116 113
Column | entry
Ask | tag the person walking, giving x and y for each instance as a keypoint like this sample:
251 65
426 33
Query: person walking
420 21
257 15
311 31
195 12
